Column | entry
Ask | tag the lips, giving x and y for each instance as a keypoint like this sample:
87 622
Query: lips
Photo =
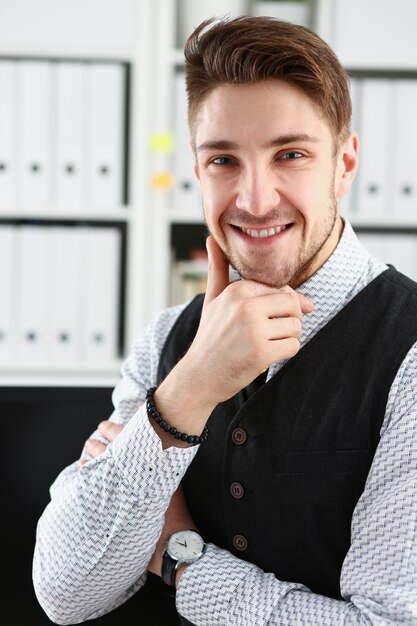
262 233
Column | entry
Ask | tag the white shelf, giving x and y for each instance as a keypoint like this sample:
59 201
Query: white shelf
65 53
364 66
383 221
123 213
34 375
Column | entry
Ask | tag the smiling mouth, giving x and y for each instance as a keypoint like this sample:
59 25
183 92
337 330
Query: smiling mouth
262 233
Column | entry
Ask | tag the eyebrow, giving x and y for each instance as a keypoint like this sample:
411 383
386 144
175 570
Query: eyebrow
276 142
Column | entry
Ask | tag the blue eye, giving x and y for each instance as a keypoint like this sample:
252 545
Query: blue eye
222 160
291 156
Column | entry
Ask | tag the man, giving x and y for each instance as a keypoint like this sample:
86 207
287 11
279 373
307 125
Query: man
280 413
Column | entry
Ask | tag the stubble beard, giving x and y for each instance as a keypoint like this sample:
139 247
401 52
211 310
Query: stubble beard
294 271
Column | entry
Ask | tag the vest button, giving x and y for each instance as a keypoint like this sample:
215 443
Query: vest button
237 490
240 542
239 436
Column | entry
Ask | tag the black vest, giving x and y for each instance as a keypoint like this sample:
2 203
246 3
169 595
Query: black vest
284 466
286 461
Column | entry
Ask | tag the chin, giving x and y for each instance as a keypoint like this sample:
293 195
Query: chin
269 278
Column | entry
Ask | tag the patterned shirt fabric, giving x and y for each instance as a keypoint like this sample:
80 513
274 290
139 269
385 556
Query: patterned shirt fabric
99 531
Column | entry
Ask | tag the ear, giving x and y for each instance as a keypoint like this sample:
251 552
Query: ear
347 165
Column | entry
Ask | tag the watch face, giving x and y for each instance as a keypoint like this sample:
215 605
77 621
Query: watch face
185 545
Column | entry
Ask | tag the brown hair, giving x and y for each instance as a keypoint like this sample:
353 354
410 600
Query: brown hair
251 49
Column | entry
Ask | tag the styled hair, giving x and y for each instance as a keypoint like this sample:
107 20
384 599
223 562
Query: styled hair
251 49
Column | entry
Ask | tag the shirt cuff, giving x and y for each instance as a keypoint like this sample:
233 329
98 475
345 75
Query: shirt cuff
221 589
148 469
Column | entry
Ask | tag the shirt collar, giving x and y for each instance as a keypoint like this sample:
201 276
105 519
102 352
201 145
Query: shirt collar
346 272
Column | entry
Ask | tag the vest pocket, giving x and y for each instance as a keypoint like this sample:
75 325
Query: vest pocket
323 461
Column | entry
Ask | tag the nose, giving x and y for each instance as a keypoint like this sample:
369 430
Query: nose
257 193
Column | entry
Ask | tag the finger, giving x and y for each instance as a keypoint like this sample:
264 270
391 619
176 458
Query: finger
275 305
109 429
283 349
80 463
283 327
307 305
218 271
95 447
270 337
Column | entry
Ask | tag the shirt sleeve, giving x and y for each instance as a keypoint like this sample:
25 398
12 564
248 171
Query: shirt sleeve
99 530
379 574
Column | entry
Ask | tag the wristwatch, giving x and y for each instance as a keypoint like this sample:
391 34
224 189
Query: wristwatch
184 546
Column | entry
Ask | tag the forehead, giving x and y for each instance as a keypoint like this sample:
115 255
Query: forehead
261 110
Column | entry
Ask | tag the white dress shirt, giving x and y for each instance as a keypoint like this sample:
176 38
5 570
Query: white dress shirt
98 533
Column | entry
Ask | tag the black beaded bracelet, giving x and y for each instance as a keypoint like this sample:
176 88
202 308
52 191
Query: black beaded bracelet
170 430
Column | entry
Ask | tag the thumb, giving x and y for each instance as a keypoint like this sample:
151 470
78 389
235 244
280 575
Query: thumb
218 271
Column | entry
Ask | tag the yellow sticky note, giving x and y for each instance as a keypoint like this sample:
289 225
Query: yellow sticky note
162 142
162 180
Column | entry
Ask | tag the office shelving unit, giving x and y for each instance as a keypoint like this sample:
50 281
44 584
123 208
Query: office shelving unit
134 218
156 226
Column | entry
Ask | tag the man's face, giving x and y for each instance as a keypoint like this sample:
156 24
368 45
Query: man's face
270 181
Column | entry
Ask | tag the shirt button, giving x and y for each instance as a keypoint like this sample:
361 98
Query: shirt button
237 490
240 542
239 436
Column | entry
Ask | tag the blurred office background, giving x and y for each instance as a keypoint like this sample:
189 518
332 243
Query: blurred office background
101 223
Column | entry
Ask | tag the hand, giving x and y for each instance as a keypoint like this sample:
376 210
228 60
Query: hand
109 430
177 517
245 327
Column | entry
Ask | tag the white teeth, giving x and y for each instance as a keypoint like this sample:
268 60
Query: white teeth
261 234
